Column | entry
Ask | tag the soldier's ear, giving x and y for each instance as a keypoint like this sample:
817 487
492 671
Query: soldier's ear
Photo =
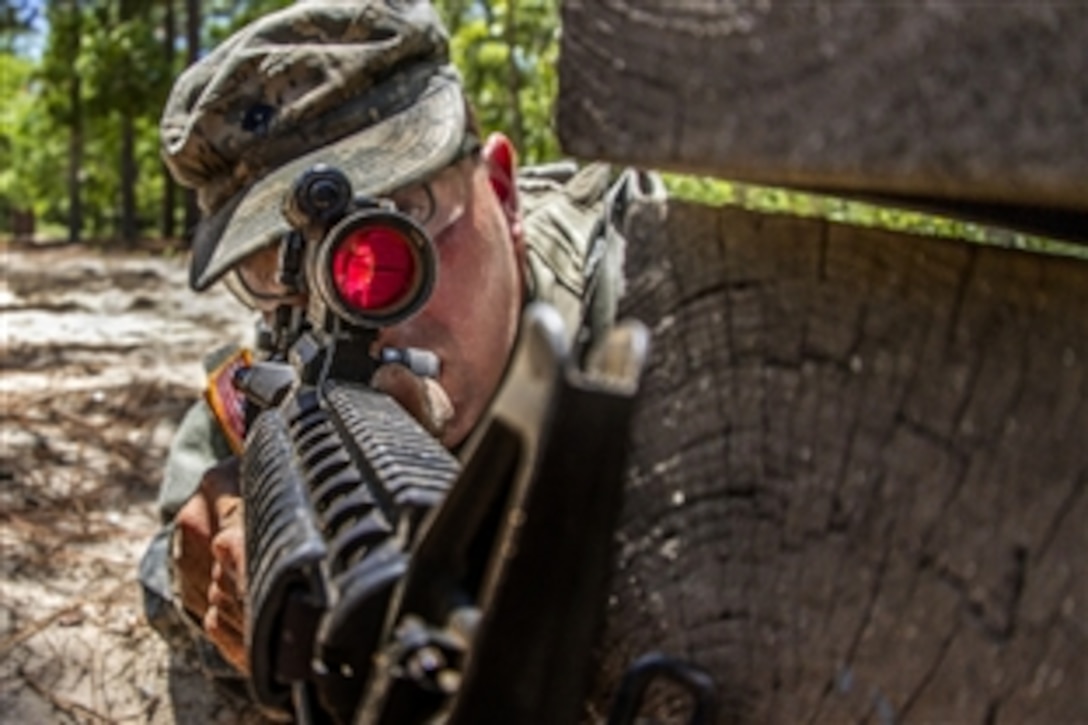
502 160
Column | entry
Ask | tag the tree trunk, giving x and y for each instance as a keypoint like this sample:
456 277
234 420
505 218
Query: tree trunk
129 225
169 186
75 159
23 225
128 171
192 35
857 479
942 103
513 75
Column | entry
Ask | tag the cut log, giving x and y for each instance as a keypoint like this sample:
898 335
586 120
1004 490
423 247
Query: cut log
970 107
857 486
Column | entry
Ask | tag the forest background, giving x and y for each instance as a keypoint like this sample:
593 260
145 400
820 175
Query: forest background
83 83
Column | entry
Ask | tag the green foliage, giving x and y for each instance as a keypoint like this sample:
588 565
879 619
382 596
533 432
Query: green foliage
772 200
16 139
507 52
701 189
115 58
33 147
113 53
223 17
217 20
16 22
59 63
123 65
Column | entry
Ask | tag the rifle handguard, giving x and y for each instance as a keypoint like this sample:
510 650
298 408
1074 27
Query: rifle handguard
335 481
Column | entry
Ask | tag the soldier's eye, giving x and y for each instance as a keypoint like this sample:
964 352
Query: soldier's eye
417 202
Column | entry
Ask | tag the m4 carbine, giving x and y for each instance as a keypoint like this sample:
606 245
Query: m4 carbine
388 581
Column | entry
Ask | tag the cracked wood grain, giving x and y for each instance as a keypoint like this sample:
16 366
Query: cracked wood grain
954 99
856 486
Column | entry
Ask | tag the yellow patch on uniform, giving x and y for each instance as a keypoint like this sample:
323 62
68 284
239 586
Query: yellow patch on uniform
228 404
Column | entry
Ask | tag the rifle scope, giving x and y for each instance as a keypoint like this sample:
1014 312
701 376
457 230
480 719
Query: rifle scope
373 266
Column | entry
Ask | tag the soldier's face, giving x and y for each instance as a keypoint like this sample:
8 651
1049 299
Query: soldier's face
472 317
471 320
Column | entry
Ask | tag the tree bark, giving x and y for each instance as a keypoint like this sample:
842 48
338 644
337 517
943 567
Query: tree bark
127 166
857 479
129 225
513 74
75 158
169 186
943 103
192 34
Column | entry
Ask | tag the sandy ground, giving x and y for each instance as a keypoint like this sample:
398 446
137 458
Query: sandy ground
101 357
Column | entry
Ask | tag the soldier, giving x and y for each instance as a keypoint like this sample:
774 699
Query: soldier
364 85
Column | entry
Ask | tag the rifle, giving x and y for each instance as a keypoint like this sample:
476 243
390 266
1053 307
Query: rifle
388 581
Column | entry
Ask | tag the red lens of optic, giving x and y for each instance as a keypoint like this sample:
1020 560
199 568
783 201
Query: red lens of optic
374 268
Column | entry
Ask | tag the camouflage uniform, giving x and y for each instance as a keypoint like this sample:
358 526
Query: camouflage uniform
242 124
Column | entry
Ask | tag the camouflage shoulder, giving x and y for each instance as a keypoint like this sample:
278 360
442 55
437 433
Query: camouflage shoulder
206 434
635 199
198 444
576 223
561 208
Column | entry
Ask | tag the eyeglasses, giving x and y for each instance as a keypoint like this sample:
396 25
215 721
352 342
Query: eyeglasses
436 204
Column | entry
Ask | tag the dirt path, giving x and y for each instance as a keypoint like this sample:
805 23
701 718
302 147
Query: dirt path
100 358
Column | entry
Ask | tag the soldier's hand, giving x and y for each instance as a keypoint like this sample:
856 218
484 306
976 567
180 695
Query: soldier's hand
423 398
209 560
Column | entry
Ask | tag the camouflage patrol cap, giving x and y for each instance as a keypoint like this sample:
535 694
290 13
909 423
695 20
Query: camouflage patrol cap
364 85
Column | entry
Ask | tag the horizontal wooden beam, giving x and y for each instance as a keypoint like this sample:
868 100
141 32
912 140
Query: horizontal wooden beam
950 102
